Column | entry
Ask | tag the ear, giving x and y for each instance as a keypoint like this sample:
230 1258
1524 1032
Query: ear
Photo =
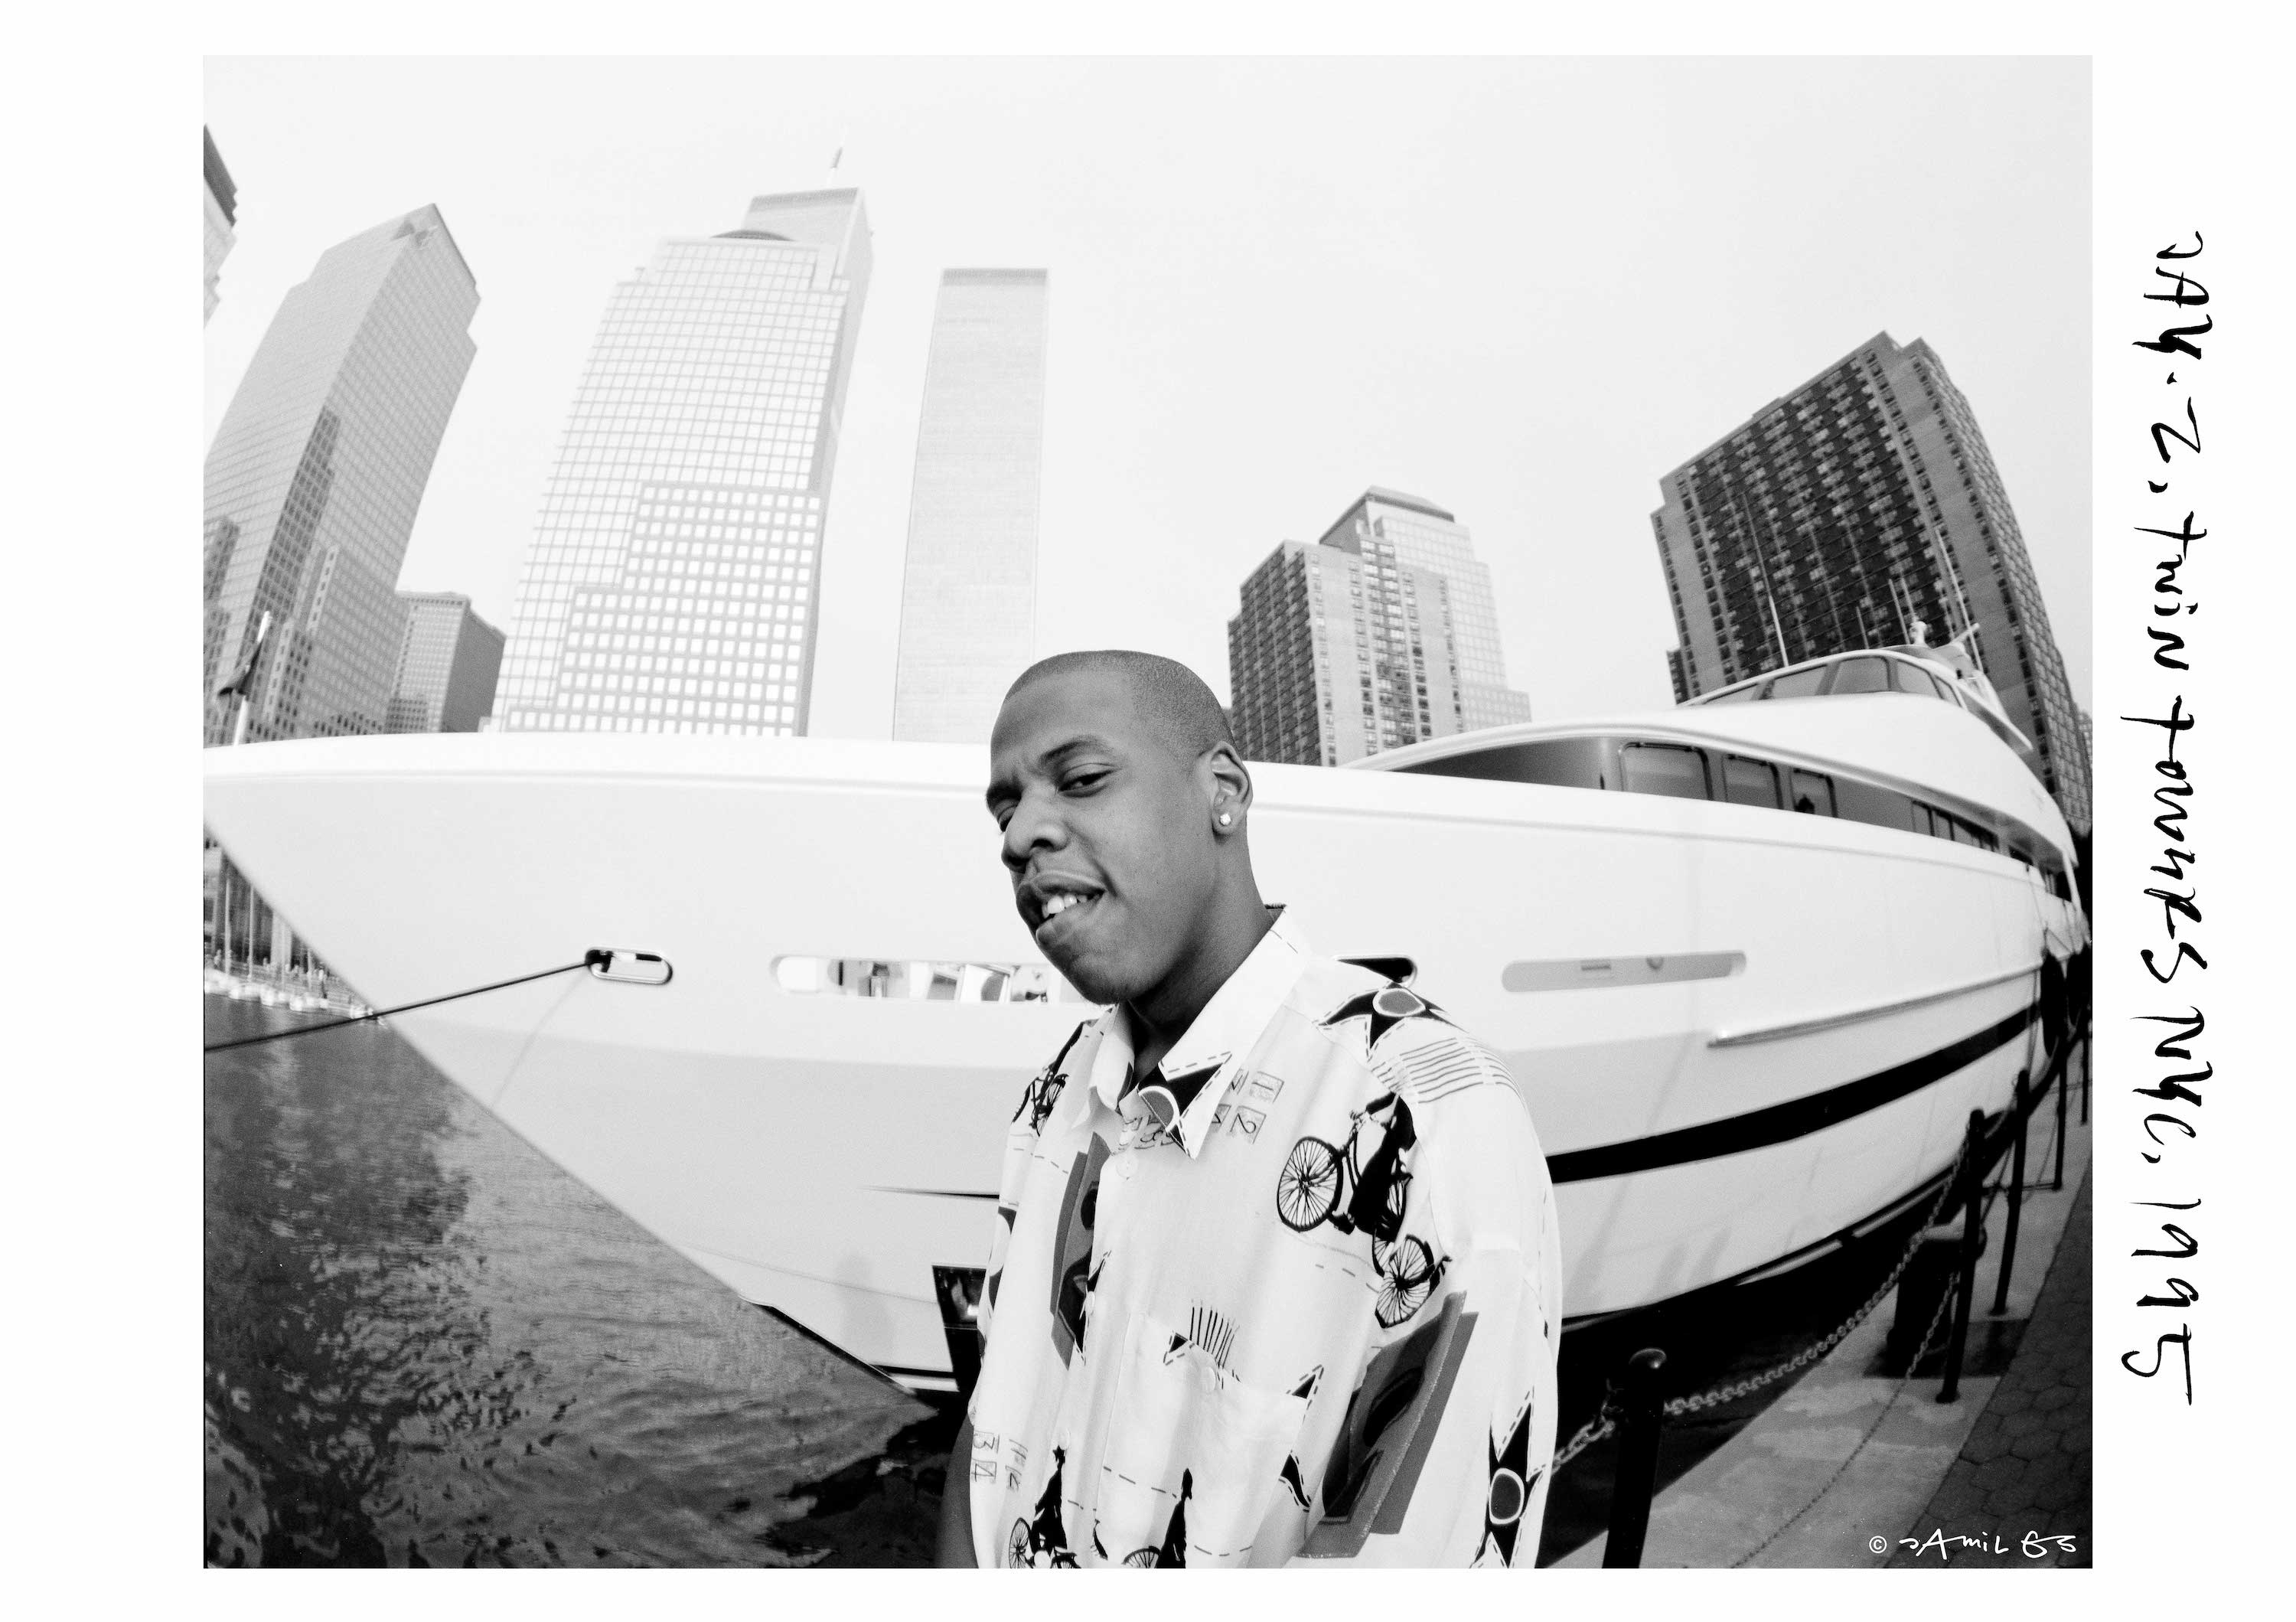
1230 787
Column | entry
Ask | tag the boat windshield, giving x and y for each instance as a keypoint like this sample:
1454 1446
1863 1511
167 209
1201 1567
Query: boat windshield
1913 678
1867 675
1882 670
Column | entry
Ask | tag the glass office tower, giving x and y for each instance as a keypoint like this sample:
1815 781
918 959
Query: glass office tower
315 478
447 662
676 569
969 592
1846 513
1421 534
220 201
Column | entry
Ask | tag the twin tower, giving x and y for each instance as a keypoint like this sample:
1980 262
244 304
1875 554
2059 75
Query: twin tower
675 576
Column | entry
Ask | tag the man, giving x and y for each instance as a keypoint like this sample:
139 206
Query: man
1276 1277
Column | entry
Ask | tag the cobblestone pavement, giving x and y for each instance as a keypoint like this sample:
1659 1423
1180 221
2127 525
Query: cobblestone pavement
2026 1467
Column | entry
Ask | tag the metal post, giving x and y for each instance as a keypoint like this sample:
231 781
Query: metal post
2016 1199
245 681
1637 1472
1972 1234
2089 1052
2064 1080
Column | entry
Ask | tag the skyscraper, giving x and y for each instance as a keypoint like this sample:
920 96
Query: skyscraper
1346 647
221 203
1842 514
969 594
675 574
448 661
315 477
1417 534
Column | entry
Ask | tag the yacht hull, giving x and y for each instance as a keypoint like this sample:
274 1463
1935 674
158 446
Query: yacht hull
1739 1031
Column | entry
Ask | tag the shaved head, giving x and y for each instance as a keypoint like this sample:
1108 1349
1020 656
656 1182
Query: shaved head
1171 698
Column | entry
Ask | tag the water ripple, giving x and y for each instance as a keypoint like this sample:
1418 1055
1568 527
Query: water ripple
425 1345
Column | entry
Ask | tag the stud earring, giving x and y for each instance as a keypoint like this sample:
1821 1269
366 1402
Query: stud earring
1225 819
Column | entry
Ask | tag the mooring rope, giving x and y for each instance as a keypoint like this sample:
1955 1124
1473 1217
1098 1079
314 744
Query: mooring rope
589 959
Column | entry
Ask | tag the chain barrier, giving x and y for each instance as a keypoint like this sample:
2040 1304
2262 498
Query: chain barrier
1945 1300
1606 1417
1736 1389
1605 1420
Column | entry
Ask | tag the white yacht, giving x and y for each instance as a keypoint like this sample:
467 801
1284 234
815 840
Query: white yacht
1753 960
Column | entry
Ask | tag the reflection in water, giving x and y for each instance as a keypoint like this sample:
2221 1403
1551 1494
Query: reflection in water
426 1345
878 1510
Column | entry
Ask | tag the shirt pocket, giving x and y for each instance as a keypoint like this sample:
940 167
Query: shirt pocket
1192 1456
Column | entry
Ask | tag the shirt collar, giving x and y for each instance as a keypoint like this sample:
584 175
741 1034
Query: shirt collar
1184 1092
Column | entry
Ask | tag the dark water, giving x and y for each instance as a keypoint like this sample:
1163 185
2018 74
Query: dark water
425 1345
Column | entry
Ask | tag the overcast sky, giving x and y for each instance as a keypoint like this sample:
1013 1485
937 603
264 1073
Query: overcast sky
1522 288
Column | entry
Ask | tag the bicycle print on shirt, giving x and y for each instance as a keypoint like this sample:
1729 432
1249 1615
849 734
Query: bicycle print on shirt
1319 1183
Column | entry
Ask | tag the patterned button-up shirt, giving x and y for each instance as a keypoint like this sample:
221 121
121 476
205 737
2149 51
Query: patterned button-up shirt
1292 1296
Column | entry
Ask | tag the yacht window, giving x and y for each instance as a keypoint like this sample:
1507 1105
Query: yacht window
1813 792
1798 683
1737 696
923 982
1750 782
1563 763
1860 676
1866 802
1663 768
1913 678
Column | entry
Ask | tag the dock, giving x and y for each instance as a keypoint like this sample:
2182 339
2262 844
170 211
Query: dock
1854 1467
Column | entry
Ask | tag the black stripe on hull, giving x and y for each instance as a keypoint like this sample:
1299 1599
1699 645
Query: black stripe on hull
1783 1123
1833 1244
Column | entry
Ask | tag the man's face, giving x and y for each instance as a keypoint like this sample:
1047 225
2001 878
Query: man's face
1106 834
